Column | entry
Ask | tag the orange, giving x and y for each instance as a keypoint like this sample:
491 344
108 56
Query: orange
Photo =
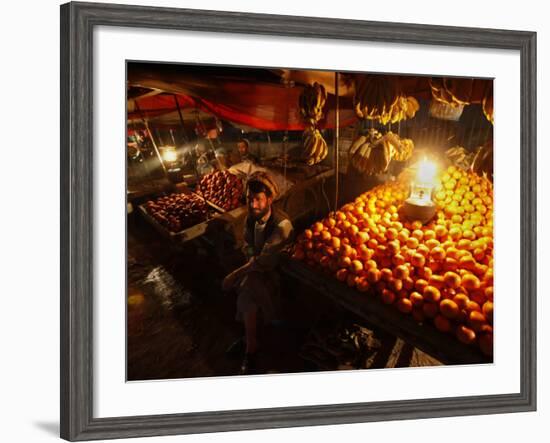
461 300
403 235
442 323
440 231
472 306
299 254
395 284
452 279
393 247
487 310
449 308
412 242
432 243
381 250
464 243
344 262
423 249
431 294
418 260
455 233
351 280
356 266
465 334
450 264
401 272
485 343
416 299
388 297
429 234
477 320
424 272
408 283
478 296
452 252
438 253
489 293
342 274
437 280
430 310
404 305
415 225
318 227
362 237
363 284
386 274
467 262
391 234
420 285
373 275
325 236
470 282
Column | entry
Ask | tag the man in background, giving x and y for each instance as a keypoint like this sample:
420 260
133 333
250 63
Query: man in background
243 147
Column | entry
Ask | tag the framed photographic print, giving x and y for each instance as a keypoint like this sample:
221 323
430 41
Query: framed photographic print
272 221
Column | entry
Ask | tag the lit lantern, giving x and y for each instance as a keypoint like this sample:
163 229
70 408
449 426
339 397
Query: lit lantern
419 205
169 154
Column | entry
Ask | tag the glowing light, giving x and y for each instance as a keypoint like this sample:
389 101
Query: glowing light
169 154
426 174
419 205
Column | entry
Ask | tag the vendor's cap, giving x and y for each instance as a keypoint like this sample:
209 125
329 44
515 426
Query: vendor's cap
264 178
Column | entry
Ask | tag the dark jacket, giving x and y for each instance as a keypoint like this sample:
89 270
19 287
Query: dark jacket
278 233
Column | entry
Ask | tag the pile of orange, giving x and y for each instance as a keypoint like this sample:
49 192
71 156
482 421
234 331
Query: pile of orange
440 272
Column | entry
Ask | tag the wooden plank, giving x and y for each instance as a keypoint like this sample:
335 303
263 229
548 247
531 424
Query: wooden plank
425 336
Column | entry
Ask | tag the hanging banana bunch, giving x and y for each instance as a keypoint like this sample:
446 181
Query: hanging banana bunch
452 91
460 157
401 148
378 98
311 101
482 162
487 104
315 146
373 152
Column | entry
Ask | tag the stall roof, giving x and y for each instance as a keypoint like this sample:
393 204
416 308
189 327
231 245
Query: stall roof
260 98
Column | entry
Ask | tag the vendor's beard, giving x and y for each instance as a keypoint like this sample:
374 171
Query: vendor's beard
259 215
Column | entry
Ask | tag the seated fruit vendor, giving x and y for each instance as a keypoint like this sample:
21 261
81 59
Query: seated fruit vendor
267 232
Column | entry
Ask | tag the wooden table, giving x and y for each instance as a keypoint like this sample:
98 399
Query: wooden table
446 348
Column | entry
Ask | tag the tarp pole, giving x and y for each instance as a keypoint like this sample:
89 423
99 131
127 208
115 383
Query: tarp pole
181 119
336 139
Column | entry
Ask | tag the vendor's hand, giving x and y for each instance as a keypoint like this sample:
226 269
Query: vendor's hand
229 282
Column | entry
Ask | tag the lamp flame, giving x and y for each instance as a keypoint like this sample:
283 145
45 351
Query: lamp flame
426 173
169 154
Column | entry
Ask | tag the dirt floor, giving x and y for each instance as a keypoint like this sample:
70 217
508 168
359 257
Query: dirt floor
180 323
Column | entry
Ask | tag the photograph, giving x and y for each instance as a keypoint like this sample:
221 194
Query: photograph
283 220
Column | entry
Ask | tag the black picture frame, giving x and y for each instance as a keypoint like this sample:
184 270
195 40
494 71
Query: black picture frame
77 23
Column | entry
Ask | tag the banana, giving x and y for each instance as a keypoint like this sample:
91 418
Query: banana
357 144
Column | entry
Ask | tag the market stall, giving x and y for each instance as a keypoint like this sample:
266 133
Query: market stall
387 180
